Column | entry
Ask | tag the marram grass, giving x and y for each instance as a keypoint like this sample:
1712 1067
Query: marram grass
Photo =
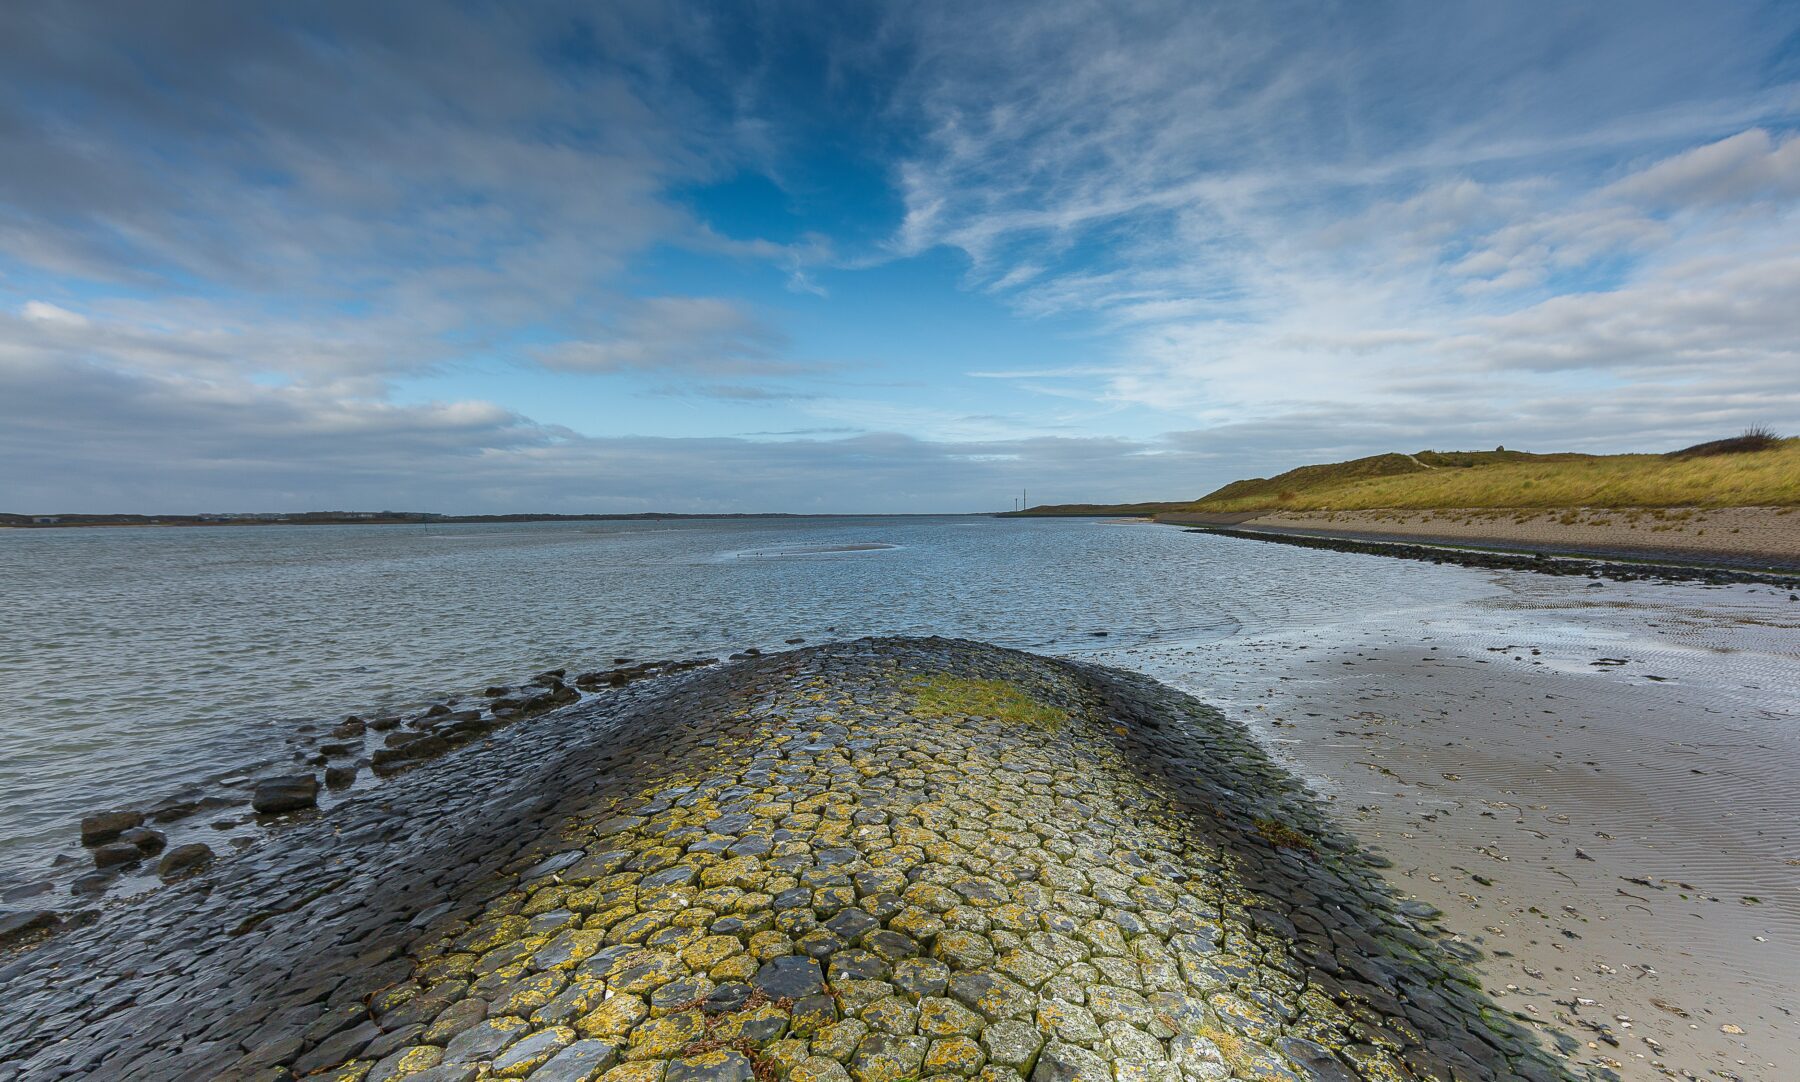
1768 478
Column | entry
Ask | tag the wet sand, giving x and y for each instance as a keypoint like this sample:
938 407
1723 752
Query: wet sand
1763 536
1596 784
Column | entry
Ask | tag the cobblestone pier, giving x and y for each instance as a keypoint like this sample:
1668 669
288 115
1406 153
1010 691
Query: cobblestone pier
882 861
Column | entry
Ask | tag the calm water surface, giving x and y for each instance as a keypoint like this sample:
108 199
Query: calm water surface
137 660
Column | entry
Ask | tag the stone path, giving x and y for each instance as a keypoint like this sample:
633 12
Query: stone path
881 861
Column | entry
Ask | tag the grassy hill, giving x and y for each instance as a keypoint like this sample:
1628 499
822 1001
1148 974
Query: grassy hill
1754 470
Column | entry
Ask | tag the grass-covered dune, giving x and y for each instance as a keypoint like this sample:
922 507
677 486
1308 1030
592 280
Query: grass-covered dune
1756 470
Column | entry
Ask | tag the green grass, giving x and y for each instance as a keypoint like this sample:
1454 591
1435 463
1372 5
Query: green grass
940 694
1512 479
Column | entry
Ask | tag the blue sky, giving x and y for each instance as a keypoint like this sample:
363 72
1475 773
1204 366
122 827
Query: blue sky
819 257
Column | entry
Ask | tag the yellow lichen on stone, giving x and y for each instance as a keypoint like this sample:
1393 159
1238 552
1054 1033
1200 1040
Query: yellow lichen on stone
418 1058
660 1038
637 1071
614 1018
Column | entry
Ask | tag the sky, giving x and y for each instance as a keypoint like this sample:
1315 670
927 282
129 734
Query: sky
473 257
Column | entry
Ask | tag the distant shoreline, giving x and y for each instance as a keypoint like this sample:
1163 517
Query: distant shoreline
63 522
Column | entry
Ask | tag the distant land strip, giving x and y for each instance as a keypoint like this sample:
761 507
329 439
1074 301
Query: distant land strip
1730 502
348 518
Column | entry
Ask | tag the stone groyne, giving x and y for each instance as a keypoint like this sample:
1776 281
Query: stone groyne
883 860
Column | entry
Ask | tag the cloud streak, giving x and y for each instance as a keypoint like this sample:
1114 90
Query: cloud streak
1276 217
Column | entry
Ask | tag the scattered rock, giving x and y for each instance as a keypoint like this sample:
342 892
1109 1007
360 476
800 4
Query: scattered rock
148 842
103 827
288 793
184 860
19 926
92 883
116 854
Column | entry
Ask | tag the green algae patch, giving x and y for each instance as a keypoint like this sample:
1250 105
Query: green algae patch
1281 835
943 695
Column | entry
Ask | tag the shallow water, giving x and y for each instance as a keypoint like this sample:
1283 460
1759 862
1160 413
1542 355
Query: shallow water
137 660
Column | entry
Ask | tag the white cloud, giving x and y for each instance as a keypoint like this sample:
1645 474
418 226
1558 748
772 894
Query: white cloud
1748 165
45 312
1272 219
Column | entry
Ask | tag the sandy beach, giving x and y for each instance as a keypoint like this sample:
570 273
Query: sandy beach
1762 536
1594 783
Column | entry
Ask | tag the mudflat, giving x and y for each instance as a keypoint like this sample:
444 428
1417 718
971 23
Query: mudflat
1595 782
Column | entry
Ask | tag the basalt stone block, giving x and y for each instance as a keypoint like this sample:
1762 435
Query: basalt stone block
116 854
1070 1063
424 747
18 926
288 793
340 1047
103 827
789 977
149 842
579 1062
725 1065
92 883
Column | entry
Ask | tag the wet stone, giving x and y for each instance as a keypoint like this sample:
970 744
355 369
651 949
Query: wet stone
550 865
287 793
851 925
339 1048
580 1061
484 1040
102 827
388 1043
410 1063
114 854
454 1019
789 977
532 1051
